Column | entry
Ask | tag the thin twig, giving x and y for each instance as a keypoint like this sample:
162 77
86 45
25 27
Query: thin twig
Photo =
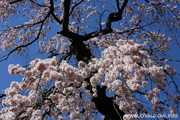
5 57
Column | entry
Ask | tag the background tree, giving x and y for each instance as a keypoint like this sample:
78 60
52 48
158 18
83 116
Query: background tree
104 56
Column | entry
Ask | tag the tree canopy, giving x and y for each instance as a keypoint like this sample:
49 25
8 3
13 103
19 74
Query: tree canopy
106 58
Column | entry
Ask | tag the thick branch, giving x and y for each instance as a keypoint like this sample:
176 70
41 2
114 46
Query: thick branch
2 95
147 1
106 106
66 15
117 3
15 1
79 49
113 17
71 35
52 6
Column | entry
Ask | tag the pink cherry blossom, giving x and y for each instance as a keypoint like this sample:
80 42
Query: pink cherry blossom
99 53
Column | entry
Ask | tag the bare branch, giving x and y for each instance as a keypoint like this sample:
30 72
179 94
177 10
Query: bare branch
28 25
15 1
38 4
66 15
147 1
123 6
52 12
75 6
140 27
113 17
117 2
57 19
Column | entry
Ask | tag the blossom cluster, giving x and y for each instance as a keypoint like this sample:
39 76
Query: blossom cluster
125 68
67 81
122 68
